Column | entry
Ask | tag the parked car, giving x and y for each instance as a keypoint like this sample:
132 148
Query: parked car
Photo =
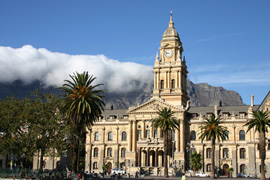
118 170
242 175
201 174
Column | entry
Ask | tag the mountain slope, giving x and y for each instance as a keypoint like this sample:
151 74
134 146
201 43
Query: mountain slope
200 94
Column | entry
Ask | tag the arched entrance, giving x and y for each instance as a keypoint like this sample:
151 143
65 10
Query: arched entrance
225 169
110 167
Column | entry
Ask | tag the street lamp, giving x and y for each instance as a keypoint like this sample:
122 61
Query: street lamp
189 148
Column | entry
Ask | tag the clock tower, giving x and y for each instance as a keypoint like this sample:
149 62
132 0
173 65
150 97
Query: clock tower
170 70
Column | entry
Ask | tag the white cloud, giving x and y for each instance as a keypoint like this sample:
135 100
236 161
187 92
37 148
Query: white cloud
51 68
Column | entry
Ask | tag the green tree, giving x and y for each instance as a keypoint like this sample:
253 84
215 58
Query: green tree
196 161
211 129
47 124
261 123
83 104
166 122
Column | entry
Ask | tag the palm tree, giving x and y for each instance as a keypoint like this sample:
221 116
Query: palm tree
261 123
196 161
212 130
166 122
83 104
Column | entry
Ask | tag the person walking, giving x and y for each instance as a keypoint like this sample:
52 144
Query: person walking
183 177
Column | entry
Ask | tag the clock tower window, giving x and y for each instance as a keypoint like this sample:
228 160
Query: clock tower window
161 84
173 83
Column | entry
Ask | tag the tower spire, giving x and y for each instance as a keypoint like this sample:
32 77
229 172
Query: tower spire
171 21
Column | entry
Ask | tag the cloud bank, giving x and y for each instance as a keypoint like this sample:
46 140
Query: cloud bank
29 64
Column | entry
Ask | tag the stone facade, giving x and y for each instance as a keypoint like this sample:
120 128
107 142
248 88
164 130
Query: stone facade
126 139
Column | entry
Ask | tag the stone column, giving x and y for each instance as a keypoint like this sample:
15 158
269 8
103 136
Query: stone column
139 157
130 136
182 136
177 138
134 136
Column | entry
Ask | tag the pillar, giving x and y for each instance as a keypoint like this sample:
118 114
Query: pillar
134 136
130 136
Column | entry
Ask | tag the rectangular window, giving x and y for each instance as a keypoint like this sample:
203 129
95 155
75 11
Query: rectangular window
242 115
225 115
139 134
147 132
155 133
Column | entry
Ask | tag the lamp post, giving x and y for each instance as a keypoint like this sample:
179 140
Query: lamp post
189 149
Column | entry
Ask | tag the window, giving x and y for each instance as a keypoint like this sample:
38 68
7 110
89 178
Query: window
242 115
1 163
226 137
208 168
110 136
208 153
173 83
173 135
109 152
242 153
96 136
161 84
155 133
242 135
95 152
147 132
243 168
95 165
208 115
225 153
122 164
193 135
124 136
225 115
139 134
123 152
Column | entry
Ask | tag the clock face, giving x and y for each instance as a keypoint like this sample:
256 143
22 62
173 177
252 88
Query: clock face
168 53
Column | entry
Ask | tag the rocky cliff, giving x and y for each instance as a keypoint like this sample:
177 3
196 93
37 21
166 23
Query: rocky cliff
200 94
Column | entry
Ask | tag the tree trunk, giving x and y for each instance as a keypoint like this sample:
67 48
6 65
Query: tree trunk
213 159
41 160
262 154
165 140
78 157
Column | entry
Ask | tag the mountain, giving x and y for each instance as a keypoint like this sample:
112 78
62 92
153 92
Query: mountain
200 94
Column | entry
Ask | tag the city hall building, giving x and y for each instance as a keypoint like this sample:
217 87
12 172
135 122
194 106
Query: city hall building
126 139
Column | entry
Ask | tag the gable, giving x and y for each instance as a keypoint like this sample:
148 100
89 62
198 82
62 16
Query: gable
152 106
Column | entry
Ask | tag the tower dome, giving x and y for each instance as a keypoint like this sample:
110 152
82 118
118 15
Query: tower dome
170 33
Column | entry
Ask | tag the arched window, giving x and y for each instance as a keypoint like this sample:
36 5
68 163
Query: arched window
124 136
155 133
147 133
123 152
109 152
161 84
110 136
242 153
243 168
225 153
96 136
95 152
208 153
95 165
192 135
208 168
173 83
242 135
139 132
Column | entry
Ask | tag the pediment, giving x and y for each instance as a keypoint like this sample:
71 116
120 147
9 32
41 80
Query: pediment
152 106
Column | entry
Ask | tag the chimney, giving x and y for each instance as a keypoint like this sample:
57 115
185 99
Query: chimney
252 100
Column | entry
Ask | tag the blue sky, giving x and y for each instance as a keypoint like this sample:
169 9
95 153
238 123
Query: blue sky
226 43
